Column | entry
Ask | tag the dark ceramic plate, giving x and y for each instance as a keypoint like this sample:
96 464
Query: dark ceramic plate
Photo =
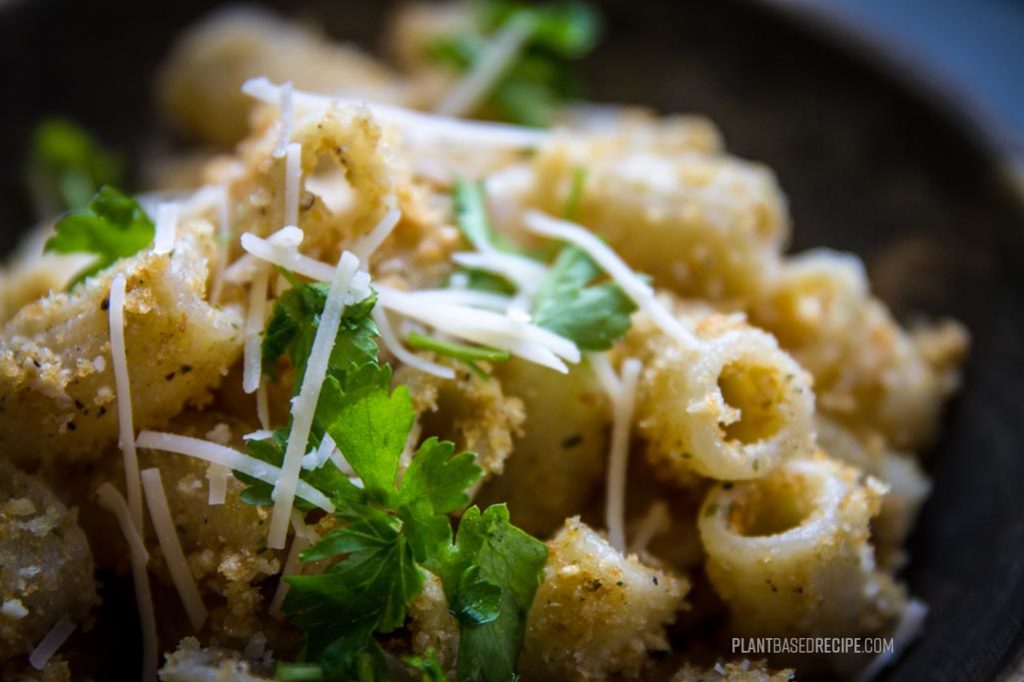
871 161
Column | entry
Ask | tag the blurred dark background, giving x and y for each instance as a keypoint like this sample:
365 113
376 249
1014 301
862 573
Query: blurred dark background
891 126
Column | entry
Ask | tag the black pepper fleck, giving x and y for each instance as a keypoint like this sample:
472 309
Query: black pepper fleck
572 441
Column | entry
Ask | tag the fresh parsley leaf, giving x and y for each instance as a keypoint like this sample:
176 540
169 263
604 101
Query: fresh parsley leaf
369 422
113 226
566 29
477 601
429 667
491 556
385 533
388 534
435 485
68 165
571 304
542 76
440 477
298 672
366 592
480 280
471 216
295 319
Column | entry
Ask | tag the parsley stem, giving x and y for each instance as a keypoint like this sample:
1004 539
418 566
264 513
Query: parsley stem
456 350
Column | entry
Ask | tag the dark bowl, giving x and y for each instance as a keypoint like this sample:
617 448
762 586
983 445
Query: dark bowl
873 162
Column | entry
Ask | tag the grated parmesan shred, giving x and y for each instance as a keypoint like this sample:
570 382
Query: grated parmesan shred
484 327
166 227
639 291
292 564
51 642
112 500
499 55
369 244
304 406
126 436
526 273
292 182
263 406
287 256
224 234
401 353
909 628
221 454
170 545
623 406
656 521
218 477
416 126
287 119
255 317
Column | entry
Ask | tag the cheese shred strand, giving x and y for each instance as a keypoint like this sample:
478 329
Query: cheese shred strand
126 438
623 406
112 500
304 406
170 545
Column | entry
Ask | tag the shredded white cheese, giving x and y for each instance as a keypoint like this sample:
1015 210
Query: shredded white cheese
51 642
470 297
416 126
126 438
170 545
166 227
287 120
111 500
401 353
499 55
218 477
263 406
623 406
369 244
232 459
281 248
317 458
292 182
223 242
13 609
606 375
255 647
655 522
287 257
908 629
526 273
639 291
300 541
485 327
255 317
304 407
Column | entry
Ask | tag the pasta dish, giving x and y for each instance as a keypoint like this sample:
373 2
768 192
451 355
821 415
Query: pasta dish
427 368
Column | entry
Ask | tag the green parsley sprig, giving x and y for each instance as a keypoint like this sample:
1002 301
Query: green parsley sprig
67 166
112 226
543 75
390 528
577 300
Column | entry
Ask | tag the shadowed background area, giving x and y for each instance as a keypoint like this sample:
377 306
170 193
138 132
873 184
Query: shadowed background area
870 164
